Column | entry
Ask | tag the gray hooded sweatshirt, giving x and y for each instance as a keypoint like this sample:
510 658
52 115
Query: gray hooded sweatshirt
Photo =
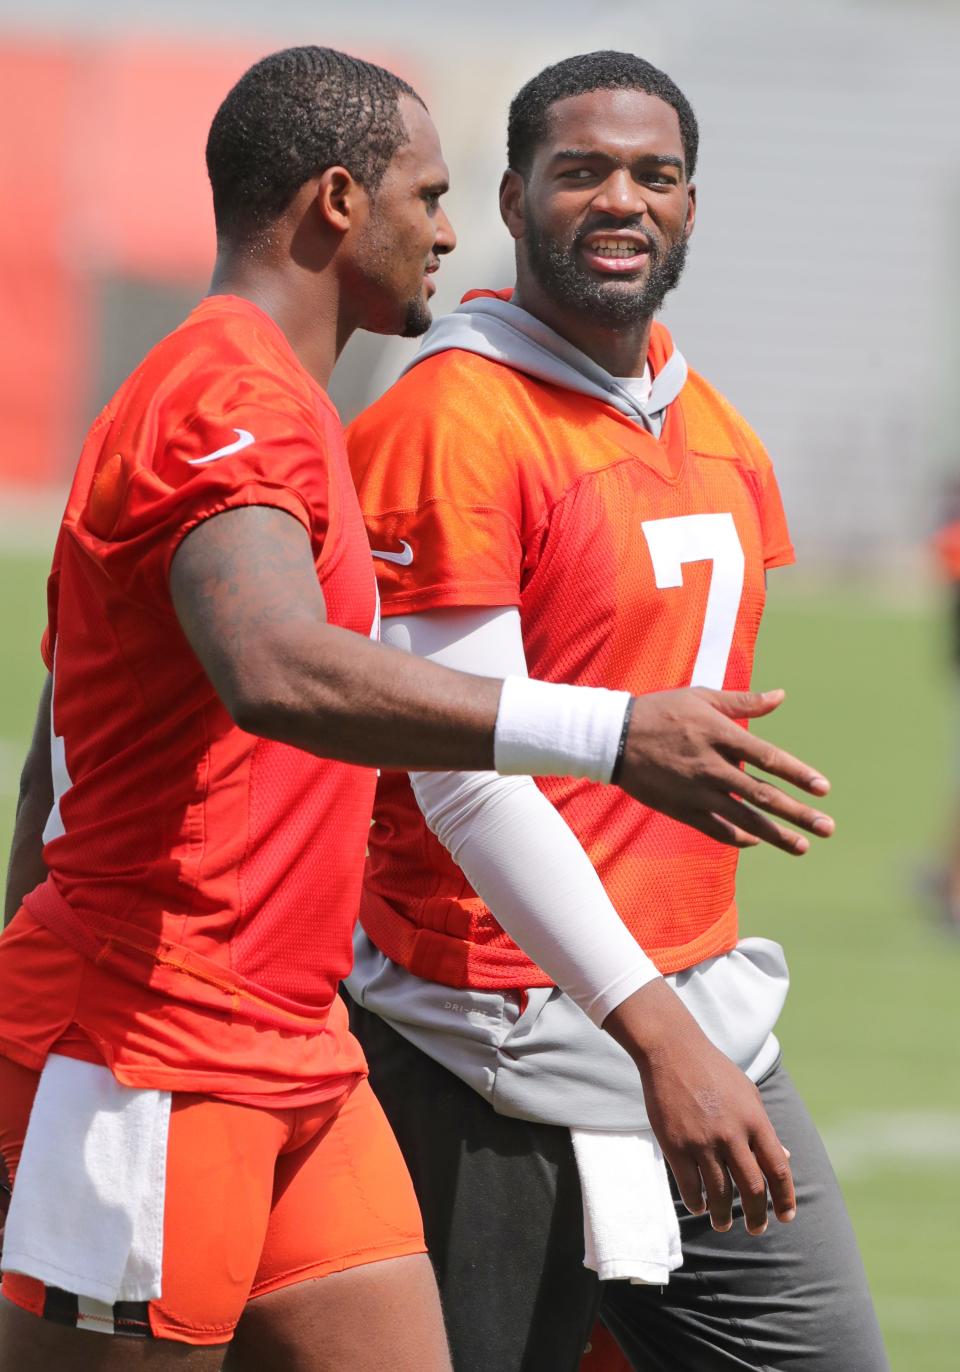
502 332
548 1062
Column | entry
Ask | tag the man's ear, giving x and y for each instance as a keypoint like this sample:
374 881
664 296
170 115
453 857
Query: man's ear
340 199
511 202
691 210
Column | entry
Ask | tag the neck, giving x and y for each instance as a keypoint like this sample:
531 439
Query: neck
304 305
621 349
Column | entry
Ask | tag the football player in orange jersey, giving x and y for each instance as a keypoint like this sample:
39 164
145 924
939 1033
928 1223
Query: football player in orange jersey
550 488
202 1146
945 884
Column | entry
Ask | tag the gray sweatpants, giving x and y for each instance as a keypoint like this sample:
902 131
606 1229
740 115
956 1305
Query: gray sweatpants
504 1223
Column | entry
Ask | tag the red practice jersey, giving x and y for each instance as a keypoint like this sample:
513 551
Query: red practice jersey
946 549
637 563
208 879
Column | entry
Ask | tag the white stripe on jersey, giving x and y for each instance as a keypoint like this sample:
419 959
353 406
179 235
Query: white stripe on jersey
62 780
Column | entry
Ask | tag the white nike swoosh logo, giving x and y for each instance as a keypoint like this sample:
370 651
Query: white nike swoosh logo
404 558
244 439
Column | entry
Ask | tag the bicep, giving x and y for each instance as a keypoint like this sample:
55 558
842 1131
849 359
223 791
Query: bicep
243 584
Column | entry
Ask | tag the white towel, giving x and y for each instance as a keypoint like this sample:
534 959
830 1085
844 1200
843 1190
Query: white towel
87 1208
630 1229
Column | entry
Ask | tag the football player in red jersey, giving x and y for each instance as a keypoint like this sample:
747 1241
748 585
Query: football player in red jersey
945 885
573 500
202 1146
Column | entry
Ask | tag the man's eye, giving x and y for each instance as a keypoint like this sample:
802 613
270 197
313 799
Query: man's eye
577 174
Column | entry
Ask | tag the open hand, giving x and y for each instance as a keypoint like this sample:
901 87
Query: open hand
684 757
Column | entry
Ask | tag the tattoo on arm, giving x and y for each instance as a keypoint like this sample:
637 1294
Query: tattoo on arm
236 581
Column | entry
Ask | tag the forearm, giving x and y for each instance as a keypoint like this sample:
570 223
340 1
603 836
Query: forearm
26 868
342 696
529 868
245 592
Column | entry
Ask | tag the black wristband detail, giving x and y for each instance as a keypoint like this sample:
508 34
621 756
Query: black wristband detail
622 745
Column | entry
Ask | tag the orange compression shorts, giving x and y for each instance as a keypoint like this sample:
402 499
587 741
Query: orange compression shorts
256 1200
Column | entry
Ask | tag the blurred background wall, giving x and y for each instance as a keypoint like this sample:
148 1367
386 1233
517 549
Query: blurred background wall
822 295
822 292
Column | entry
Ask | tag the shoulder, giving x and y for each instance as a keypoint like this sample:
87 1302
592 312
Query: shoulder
441 396
224 359
447 431
716 427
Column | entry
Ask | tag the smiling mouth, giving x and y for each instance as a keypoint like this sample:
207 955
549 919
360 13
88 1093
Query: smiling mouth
615 254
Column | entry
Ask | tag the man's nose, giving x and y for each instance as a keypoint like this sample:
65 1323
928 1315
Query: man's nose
445 240
621 195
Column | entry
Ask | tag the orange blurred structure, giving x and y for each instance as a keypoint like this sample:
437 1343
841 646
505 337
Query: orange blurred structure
946 548
106 182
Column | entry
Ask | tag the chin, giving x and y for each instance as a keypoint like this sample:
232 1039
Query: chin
417 319
408 319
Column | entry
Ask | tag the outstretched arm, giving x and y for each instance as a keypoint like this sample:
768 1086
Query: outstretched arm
245 591
27 868
528 866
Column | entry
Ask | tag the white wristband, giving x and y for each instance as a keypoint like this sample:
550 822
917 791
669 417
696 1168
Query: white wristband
547 729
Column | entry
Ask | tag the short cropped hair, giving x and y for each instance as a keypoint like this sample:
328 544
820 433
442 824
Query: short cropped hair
287 119
592 71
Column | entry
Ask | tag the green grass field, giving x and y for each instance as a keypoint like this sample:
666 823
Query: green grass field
870 1031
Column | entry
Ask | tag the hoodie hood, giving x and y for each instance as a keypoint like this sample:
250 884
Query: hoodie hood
488 324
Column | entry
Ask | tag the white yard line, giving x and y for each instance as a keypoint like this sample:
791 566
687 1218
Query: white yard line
876 1140
924 1313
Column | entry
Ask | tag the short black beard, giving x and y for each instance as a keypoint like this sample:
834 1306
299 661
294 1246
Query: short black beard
560 274
417 319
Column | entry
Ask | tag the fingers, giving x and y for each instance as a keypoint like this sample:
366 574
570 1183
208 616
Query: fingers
751 1184
687 1176
693 752
755 795
730 820
739 825
742 817
716 826
764 796
711 1186
743 704
719 1191
774 1161
759 753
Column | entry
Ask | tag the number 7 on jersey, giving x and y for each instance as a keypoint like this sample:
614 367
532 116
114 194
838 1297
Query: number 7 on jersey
702 538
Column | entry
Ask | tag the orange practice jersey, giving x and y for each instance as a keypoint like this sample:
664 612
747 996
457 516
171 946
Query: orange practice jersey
636 564
946 549
203 882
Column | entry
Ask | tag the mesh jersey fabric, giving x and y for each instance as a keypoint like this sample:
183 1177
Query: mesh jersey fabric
213 875
512 491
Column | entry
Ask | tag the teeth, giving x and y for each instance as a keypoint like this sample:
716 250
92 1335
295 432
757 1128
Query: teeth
613 247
